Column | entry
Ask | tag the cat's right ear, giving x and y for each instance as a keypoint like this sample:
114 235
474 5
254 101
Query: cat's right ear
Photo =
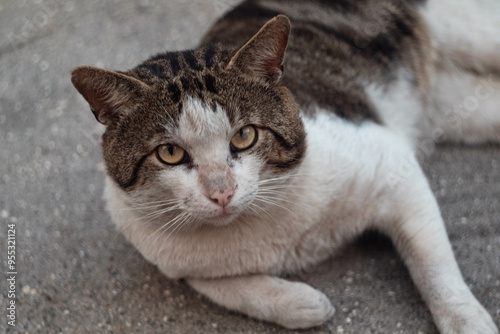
107 92
263 55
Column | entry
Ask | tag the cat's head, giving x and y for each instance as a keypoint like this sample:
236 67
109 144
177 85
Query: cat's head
199 132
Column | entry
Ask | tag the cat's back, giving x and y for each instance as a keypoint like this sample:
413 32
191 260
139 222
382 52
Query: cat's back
338 47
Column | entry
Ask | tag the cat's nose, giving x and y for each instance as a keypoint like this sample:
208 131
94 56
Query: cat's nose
222 197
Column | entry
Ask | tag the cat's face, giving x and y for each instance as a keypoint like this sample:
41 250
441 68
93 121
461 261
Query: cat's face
206 164
221 163
195 135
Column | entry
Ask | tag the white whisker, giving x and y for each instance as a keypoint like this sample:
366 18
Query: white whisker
270 200
151 216
160 212
278 195
165 227
149 205
186 215
254 210
264 211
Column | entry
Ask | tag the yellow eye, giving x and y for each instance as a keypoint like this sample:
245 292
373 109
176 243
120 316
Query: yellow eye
171 154
244 138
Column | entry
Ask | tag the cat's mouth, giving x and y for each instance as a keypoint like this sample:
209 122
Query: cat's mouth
224 217
224 214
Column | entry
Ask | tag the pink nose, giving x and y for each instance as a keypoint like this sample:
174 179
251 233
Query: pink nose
222 198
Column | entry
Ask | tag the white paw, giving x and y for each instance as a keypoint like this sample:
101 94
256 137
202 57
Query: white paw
302 306
469 318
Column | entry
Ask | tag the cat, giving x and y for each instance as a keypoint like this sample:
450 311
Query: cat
269 147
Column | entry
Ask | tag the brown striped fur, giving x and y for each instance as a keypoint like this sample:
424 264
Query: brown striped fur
334 45
214 74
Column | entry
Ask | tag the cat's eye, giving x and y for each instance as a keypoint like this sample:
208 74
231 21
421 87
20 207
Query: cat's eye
171 154
244 138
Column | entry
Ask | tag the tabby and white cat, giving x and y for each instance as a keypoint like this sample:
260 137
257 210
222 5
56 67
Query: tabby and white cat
228 171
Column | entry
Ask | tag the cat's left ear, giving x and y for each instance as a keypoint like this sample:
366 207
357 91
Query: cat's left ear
263 55
107 92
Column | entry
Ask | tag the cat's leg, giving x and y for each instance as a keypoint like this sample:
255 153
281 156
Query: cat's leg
289 304
465 32
417 229
465 90
464 107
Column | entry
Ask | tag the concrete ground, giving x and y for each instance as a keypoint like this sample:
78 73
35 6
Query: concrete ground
76 274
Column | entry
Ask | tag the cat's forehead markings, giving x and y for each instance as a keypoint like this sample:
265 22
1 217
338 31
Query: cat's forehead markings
191 61
198 121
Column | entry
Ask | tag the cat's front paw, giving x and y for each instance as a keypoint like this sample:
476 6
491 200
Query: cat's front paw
469 318
302 307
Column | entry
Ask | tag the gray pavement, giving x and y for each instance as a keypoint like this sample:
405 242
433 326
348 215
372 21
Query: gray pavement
76 274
